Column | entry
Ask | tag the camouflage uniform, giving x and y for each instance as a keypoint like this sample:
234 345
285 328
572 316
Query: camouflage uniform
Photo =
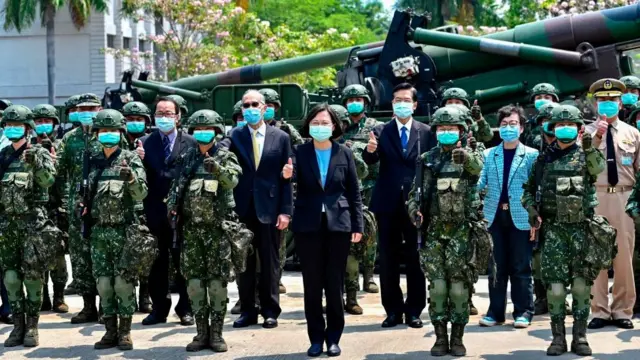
57 213
577 244
633 209
28 243
532 128
479 127
215 243
631 83
118 244
450 247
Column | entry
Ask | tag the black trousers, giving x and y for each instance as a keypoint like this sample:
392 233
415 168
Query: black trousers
397 241
266 244
159 276
323 259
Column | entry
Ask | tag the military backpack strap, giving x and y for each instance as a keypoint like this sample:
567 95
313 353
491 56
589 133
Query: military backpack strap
101 165
6 161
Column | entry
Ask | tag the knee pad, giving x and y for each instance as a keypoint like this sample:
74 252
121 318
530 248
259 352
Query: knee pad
121 286
458 291
195 287
556 292
580 289
438 289
12 281
104 286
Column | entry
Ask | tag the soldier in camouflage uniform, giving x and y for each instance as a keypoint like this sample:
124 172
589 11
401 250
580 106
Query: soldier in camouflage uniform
577 244
629 98
28 242
479 127
449 196
541 94
634 120
70 160
46 119
355 98
215 243
117 182
237 117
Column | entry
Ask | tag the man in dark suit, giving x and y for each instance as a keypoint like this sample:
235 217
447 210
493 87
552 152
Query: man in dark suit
395 146
162 149
264 201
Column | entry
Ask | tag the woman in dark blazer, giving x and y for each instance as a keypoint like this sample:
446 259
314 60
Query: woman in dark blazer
327 218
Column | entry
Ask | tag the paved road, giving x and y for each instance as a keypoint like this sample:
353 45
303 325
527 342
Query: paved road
363 338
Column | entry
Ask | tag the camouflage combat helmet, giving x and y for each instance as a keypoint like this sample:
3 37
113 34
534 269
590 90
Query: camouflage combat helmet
635 110
18 114
631 82
137 108
343 114
544 89
455 93
449 115
108 119
546 110
355 91
46 111
4 103
71 103
237 110
270 96
206 118
182 104
566 113
466 113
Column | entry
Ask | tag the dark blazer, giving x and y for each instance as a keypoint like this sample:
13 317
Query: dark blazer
340 195
396 171
270 193
160 173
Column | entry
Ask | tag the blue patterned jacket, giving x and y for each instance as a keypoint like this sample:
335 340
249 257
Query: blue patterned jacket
491 178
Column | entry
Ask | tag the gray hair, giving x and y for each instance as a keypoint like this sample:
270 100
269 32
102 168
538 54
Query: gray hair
254 92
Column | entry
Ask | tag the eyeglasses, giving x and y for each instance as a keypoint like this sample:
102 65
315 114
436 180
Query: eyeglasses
250 104
161 114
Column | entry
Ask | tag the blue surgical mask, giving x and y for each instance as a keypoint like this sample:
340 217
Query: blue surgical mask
252 115
204 136
509 133
403 110
241 123
608 108
629 98
448 137
74 117
320 132
14 133
86 117
44 129
355 108
165 124
566 134
269 113
638 124
135 127
541 102
547 131
109 139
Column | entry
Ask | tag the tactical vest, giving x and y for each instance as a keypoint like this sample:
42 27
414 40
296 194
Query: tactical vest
205 202
112 204
19 192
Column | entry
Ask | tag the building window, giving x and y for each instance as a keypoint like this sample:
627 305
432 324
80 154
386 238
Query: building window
142 45
126 43
111 39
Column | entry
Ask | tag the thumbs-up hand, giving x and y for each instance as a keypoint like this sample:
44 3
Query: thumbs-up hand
372 145
473 143
139 149
125 172
46 142
459 154
476 112
209 164
287 170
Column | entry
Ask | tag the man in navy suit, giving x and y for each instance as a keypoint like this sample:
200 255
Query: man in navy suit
264 201
395 145
162 149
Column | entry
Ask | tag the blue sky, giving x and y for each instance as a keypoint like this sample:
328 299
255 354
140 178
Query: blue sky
388 3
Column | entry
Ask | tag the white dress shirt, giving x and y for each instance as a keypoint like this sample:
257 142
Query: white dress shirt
261 131
407 125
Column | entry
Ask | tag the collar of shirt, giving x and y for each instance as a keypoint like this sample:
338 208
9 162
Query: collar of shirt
261 130
171 135
615 124
407 125
362 122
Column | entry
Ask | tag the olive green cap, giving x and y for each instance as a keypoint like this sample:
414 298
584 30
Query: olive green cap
270 96
355 91
18 114
449 115
45 111
89 99
137 108
206 118
455 93
544 89
631 82
566 113
108 119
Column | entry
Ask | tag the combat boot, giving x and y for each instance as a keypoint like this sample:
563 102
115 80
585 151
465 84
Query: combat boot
144 300
46 299
579 344
59 305
472 308
216 341
201 340
124 334
236 310
100 313
31 338
541 306
441 347
368 284
351 306
71 288
110 338
17 334
89 312
457 347
559 343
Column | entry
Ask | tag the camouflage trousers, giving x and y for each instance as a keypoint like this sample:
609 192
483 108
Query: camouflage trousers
636 269
115 284
59 275
208 297
562 259
581 294
360 253
203 256
80 254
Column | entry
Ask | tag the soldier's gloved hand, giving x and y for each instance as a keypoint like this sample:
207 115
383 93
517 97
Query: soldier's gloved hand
476 112
534 218
30 156
209 164
473 143
348 143
587 141
125 172
459 155
46 142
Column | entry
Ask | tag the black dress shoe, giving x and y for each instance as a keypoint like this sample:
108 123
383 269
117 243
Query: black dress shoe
186 320
334 350
391 321
315 350
598 323
151 319
623 323
413 321
245 320
270 323
7 319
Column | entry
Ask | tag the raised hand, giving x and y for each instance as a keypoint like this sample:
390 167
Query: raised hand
287 170
372 145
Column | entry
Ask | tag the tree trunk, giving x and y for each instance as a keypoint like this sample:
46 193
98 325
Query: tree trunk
51 54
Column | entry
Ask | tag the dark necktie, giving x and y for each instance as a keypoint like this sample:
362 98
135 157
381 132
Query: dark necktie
167 146
404 139
612 167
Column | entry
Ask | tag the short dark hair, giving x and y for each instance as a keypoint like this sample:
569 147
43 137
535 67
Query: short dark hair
165 98
337 124
510 109
406 86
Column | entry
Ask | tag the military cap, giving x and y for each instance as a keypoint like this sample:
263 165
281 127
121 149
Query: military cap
137 108
566 113
89 99
270 96
355 91
455 93
46 111
607 87
206 118
4 103
343 114
631 82
108 119
18 114
544 89
449 115
182 103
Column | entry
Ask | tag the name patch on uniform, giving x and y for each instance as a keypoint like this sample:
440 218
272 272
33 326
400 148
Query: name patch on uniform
627 160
